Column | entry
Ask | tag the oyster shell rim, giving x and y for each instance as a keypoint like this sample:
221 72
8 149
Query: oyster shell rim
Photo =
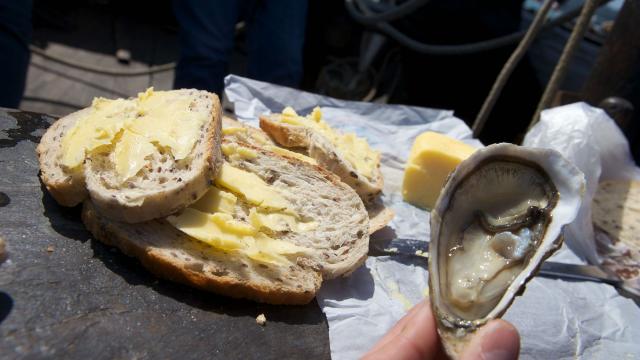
455 330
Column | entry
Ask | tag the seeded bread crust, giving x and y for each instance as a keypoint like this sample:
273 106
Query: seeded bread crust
285 134
161 188
339 244
68 189
172 255
320 149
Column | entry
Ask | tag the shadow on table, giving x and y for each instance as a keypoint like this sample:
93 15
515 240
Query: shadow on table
67 222
63 220
6 304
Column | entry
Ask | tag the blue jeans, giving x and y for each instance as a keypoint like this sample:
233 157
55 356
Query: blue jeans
275 38
15 35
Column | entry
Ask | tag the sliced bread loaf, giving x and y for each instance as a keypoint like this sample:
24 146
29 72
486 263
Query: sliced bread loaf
335 238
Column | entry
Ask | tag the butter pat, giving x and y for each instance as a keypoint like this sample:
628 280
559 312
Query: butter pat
223 232
216 200
97 128
206 228
293 154
433 156
252 187
130 154
168 120
279 222
241 151
354 149
233 130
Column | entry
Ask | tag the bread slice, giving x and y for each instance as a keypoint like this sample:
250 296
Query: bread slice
163 186
379 215
173 255
336 247
325 153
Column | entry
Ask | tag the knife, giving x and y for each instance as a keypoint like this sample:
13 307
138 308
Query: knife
420 248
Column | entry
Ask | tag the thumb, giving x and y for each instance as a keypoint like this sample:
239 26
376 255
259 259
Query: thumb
498 340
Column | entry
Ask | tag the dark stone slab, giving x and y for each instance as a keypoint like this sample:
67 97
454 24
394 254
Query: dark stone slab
65 295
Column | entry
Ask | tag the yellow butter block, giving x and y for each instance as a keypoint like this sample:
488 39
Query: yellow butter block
433 156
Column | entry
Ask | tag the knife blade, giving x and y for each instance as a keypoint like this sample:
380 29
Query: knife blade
413 247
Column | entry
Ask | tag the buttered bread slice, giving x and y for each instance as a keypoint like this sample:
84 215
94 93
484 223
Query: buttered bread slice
270 228
346 155
137 159
379 215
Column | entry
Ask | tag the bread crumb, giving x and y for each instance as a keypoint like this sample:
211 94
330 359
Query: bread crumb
261 320
50 248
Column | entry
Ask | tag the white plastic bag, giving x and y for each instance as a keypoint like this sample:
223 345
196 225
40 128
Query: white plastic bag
589 138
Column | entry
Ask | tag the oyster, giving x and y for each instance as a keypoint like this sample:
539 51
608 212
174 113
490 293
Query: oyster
500 215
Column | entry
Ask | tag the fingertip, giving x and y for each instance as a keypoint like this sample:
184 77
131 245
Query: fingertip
413 337
497 340
506 328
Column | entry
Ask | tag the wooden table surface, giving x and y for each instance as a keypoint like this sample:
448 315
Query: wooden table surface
65 295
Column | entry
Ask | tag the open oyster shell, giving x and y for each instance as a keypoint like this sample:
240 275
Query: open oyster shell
500 215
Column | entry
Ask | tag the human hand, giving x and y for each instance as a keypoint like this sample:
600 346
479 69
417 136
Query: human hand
415 337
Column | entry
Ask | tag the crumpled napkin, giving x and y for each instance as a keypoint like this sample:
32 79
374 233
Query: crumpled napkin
556 319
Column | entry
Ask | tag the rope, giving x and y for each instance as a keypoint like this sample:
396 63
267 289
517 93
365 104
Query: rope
461 49
560 70
509 66
394 13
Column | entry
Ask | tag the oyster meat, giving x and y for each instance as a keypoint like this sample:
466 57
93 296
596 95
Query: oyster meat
500 215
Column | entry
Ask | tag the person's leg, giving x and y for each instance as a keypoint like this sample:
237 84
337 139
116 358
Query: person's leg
15 35
207 31
275 37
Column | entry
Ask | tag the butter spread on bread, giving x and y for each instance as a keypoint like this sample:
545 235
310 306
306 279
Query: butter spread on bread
233 129
347 155
154 117
356 150
300 143
137 159
216 219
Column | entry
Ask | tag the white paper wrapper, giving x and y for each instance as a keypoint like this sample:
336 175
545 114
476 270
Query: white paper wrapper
556 319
